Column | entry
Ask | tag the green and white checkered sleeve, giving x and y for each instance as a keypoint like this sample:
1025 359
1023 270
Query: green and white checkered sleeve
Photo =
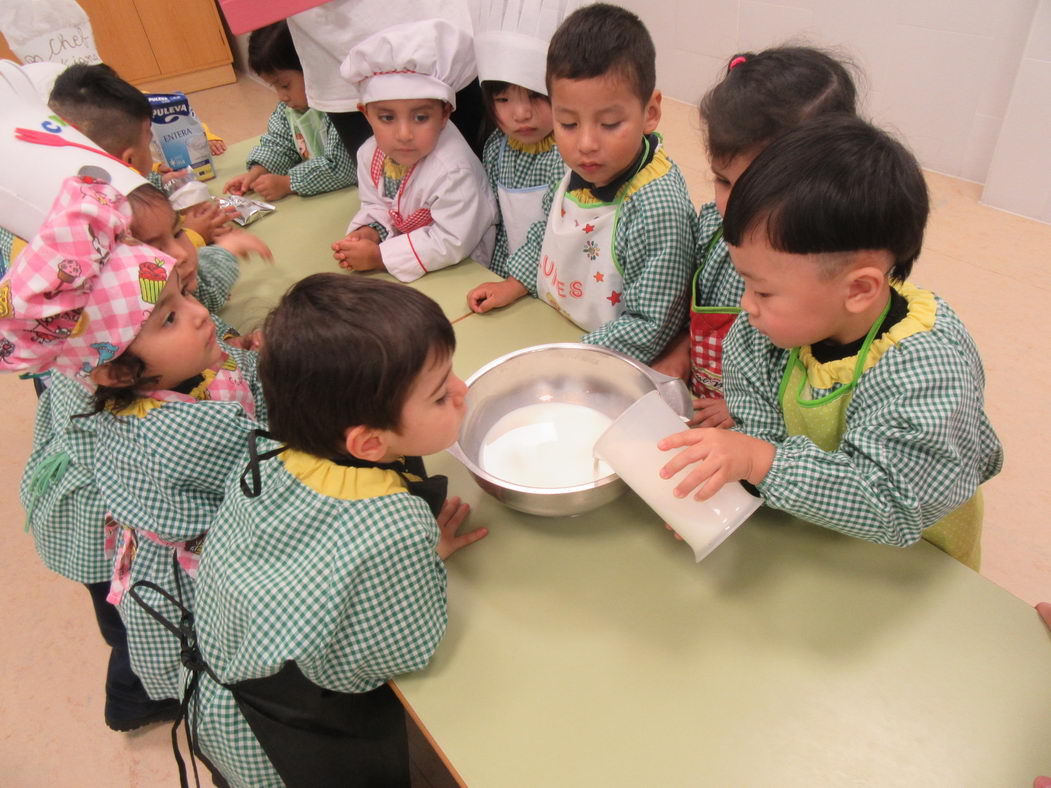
390 619
491 162
6 240
166 472
524 261
656 238
277 148
58 489
917 444
719 282
217 272
752 369
332 170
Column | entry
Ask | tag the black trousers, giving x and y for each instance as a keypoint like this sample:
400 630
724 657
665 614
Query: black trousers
125 695
469 118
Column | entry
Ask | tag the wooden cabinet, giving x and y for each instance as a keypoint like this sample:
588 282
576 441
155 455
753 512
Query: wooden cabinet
159 45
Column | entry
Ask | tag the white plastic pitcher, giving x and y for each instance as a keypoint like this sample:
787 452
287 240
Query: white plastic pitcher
630 448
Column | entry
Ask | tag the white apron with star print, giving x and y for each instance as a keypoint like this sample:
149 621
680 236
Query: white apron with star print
578 273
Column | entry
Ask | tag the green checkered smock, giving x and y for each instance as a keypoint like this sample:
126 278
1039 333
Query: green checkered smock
917 441
351 589
58 489
335 169
719 283
516 169
656 242
217 272
166 473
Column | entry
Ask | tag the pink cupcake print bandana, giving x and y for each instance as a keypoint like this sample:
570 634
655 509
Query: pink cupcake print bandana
80 291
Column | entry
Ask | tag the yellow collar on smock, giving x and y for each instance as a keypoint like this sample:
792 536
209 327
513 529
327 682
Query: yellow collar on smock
919 318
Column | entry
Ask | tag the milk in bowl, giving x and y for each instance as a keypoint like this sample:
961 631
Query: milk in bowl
549 444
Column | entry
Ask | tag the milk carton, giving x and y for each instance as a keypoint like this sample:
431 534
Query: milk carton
179 134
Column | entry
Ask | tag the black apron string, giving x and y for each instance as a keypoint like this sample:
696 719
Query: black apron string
253 488
191 659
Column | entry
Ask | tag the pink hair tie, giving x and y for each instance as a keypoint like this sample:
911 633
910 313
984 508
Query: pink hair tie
736 62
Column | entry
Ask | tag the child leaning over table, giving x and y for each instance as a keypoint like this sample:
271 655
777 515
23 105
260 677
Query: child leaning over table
425 199
324 572
761 96
301 152
616 251
857 396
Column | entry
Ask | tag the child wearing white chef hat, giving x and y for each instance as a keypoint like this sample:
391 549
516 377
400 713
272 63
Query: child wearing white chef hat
520 157
425 199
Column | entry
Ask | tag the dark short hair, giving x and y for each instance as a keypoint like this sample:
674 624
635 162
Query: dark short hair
833 184
341 351
491 88
107 109
764 95
271 49
602 39
116 398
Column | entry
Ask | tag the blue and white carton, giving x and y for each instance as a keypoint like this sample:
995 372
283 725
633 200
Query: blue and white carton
179 134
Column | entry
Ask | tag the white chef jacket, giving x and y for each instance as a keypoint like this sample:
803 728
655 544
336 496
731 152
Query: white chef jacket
324 35
451 183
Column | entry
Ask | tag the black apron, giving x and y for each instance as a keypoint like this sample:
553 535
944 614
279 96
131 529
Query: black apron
314 737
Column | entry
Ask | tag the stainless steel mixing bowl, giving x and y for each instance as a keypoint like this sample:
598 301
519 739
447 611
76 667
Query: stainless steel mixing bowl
567 372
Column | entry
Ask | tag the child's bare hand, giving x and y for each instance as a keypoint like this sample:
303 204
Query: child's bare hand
217 147
272 187
243 244
721 455
208 220
1044 609
673 532
241 184
250 341
358 254
711 412
450 518
675 360
492 295
168 174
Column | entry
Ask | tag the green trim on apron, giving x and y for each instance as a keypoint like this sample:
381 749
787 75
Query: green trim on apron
958 533
308 124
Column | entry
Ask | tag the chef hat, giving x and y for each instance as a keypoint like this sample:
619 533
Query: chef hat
38 150
79 293
511 37
431 58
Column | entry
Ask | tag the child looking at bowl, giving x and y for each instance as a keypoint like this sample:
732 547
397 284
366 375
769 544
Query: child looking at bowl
761 96
324 573
425 199
857 396
616 250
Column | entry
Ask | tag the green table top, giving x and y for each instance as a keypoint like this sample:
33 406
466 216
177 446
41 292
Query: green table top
593 651
300 233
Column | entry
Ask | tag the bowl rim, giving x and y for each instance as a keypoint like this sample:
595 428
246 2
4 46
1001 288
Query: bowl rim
457 451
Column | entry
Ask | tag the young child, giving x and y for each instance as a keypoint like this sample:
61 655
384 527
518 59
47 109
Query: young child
75 300
425 198
616 252
760 97
324 573
520 157
116 116
857 396
301 152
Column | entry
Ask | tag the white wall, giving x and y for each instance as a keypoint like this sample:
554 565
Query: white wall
939 72
1020 175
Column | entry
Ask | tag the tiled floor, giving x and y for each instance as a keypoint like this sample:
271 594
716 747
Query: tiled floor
990 265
